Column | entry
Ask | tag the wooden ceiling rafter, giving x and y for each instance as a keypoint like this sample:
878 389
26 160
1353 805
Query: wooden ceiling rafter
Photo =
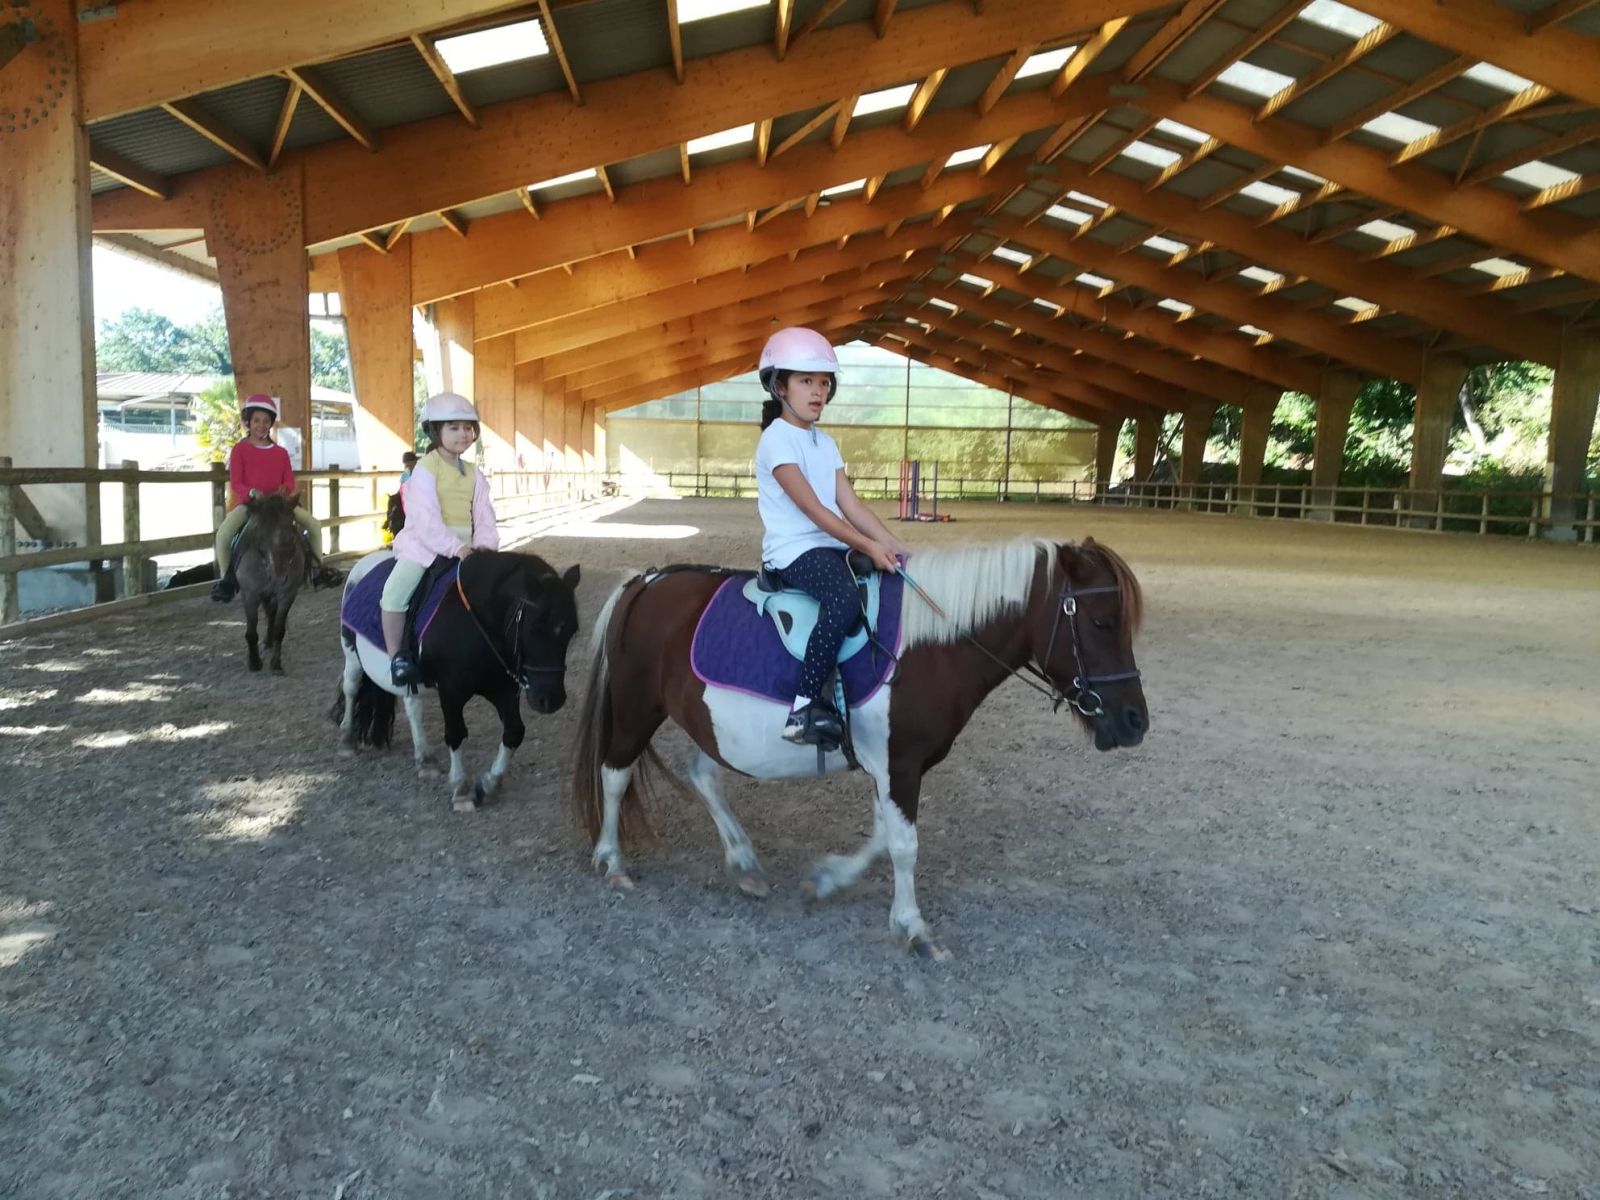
675 38
553 37
150 183
334 105
280 131
216 132
447 78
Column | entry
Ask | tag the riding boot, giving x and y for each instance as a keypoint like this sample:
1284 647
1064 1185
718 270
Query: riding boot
404 670
816 724
224 589
323 575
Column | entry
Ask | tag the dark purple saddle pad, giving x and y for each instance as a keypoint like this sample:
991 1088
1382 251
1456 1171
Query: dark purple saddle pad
737 647
359 610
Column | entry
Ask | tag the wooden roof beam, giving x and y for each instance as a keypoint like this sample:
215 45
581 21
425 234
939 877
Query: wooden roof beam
881 15
1003 78
1561 59
1556 12
782 22
827 114
1579 136
1477 121
921 97
919 346
1357 50
675 37
162 256
553 37
280 132
215 132
1081 59
1159 46
1393 101
447 78
343 115
135 176
824 10
1259 36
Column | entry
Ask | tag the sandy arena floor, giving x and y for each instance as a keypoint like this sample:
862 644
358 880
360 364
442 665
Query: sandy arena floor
1332 931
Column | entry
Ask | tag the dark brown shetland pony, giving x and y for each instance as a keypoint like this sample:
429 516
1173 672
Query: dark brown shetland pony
1062 612
273 561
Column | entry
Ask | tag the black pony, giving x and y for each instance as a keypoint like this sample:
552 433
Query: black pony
501 631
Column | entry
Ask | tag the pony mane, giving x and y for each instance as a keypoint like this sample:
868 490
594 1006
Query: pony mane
973 584
1130 593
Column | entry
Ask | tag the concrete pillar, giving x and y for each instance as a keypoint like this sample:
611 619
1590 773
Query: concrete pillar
454 320
494 369
256 233
1146 436
1572 411
1105 453
47 394
375 293
1334 405
1438 394
1196 432
1258 407
528 388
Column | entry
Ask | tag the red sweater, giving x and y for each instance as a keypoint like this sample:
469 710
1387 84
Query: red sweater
264 468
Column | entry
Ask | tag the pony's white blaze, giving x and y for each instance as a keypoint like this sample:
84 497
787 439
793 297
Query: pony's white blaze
749 735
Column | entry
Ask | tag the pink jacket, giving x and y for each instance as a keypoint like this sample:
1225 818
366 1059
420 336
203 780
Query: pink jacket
426 536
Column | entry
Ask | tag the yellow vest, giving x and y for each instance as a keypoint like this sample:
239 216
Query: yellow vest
455 489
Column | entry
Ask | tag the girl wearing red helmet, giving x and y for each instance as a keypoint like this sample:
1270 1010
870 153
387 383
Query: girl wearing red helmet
811 515
258 466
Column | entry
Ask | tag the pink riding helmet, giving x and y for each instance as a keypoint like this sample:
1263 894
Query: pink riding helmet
267 404
798 349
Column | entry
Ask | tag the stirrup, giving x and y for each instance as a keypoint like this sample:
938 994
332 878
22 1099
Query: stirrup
818 726
404 670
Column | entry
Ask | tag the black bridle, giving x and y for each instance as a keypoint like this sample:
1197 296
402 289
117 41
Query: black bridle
515 671
1081 695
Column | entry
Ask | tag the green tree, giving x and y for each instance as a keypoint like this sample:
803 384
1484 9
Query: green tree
330 357
216 419
141 339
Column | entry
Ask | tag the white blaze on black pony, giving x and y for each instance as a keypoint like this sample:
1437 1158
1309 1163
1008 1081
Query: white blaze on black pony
501 633
1063 613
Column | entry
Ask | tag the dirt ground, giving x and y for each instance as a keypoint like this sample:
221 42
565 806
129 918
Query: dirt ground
1333 930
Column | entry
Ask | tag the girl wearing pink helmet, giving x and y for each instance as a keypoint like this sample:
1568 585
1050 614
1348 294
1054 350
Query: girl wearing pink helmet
811 515
258 466
449 514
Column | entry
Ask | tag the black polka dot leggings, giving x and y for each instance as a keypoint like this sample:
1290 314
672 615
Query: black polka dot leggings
823 575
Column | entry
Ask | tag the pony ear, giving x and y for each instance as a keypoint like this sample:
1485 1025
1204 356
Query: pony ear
571 577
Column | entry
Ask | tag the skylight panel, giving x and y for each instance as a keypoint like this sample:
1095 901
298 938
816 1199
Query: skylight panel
1354 303
1155 155
1258 81
1340 18
1395 128
976 280
1177 306
1497 78
1253 331
1011 255
728 137
1271 193
1540 174
895 97
944 304
574 177
1261 275
1499 267
1388 231
491 47
701 10
962 157
1046 60
1049 305
1083 198
1299 174
840 189
1061 213
1098 281
1178 130
1165 244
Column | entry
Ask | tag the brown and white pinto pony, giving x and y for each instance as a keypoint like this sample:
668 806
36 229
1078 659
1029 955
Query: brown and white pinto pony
1064 612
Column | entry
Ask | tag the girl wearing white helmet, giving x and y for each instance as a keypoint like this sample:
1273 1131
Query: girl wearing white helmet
449 514
811 515
258 466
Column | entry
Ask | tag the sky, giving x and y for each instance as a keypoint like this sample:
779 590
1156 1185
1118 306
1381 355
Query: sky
122 282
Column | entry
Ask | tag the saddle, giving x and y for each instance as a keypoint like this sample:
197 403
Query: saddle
431 578
794 613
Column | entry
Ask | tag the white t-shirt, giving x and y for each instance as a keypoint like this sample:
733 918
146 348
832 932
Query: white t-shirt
789 532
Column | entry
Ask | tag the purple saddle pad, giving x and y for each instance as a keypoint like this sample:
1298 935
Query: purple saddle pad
359 611
737 647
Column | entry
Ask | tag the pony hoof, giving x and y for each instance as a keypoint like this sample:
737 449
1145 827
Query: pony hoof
346 750
619 881
277 670
427 770
815 886
463 804
484 788
928 950
753 884
255 666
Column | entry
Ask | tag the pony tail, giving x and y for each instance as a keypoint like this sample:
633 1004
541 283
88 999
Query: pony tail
770 412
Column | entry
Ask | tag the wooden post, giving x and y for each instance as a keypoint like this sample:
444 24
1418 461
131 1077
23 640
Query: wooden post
219 495
333 510
133 560
8 546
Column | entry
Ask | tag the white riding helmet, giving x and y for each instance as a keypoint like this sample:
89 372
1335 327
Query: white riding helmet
448 406
267 404
798 349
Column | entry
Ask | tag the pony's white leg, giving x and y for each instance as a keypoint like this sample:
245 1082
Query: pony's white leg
489 784
350 684
705 773
608 846
427 767
904 916
834 872
461 794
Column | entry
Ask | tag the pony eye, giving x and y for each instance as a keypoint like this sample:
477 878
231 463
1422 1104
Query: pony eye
1101 623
